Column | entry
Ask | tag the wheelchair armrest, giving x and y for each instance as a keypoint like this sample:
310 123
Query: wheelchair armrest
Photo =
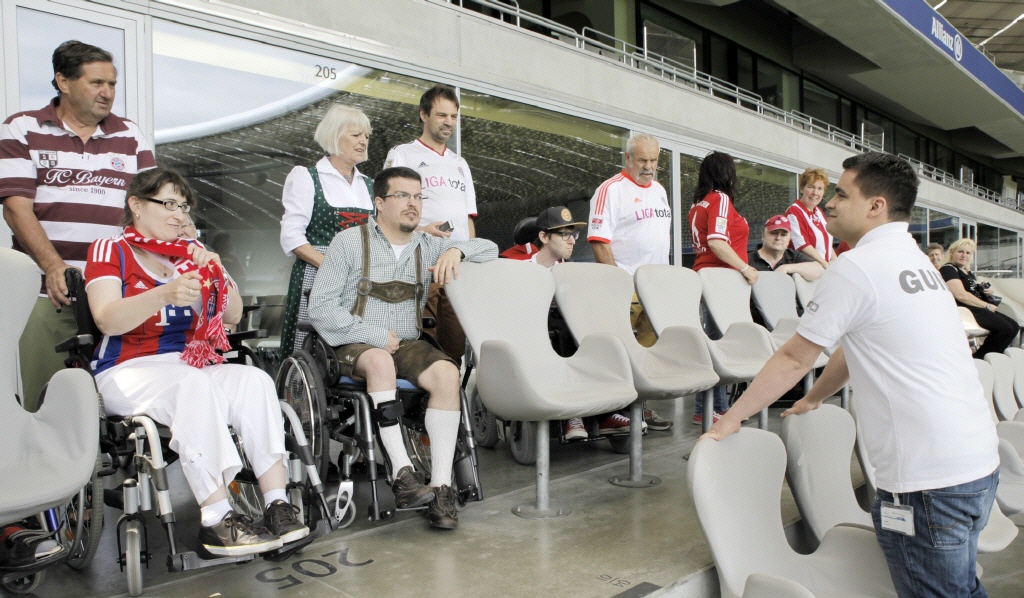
248 309
75 342
305 326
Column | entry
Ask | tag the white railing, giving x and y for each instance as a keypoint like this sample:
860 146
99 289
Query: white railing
941 176
687 77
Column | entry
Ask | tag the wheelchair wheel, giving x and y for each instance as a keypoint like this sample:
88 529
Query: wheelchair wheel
522 439
133 556
299 385
485 424
85 521
27 584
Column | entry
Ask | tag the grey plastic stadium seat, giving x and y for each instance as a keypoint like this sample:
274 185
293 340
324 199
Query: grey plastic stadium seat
503 307
1010 493
671 297
818 446
775 297
804 289
972 329
1002 389
736 484
595 298
1017 357
48 455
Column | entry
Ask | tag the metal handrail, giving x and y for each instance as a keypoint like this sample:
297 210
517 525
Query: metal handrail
689 77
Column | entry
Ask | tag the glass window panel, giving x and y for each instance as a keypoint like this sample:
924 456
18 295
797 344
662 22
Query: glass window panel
987 256
943 228
1009 253
39 34
919 226
671 44
236 149
744 69
762 191
821 103
525 158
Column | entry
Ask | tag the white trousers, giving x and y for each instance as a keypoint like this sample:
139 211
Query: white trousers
198 405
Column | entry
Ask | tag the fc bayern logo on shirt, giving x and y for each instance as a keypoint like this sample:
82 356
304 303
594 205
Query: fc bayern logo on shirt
48 159
117 163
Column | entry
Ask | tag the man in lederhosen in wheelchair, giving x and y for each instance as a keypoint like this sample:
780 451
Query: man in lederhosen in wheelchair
367 303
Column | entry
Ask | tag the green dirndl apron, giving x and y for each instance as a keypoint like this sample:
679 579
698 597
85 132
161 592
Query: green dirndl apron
326 222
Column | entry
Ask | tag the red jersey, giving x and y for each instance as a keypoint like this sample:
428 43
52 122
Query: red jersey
519 252
715 218
808 229
166 331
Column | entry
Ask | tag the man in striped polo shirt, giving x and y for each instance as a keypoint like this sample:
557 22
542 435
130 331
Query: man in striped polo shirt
64 171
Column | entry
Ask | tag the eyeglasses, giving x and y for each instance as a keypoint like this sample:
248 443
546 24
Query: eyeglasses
402 196
565 234
170 205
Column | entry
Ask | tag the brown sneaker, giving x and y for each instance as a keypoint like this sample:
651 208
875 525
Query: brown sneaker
442 513
410 490
280 519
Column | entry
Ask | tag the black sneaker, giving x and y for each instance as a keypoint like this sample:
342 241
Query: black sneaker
280 519
442 513
237 535
410 489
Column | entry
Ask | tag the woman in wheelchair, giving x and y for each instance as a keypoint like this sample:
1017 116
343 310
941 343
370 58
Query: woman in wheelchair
161 304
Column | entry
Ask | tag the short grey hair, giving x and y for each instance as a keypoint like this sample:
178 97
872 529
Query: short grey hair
335 123
640 138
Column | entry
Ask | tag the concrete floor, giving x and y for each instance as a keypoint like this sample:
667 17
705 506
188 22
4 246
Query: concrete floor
618 542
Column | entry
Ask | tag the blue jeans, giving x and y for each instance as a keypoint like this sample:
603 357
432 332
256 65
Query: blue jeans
721 401
940 559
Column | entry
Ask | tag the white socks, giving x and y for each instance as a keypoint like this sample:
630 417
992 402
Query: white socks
391 436
443 429
212 514
271 496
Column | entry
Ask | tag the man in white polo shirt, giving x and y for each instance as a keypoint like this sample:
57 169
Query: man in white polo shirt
921 409
631 225
449 199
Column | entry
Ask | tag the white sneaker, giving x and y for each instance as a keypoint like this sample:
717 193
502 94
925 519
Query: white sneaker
574 429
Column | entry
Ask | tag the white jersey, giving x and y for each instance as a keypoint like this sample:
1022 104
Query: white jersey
448 192
634 219
921 408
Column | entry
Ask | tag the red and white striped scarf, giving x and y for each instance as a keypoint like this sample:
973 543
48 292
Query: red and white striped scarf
209 335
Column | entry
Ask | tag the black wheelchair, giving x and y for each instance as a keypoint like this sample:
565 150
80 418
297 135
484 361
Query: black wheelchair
336 408
136 448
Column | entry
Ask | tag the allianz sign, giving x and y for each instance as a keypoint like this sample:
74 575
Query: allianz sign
954 42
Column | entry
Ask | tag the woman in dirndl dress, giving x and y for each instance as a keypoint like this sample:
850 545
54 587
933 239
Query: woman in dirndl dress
319 202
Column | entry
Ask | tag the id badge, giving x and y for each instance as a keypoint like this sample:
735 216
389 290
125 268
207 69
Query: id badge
898 518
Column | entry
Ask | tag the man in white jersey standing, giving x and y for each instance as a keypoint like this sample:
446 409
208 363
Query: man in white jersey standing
631 225
449 199
64 170
921 409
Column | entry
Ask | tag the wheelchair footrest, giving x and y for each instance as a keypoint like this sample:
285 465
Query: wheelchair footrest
9 573
189 561
281 554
